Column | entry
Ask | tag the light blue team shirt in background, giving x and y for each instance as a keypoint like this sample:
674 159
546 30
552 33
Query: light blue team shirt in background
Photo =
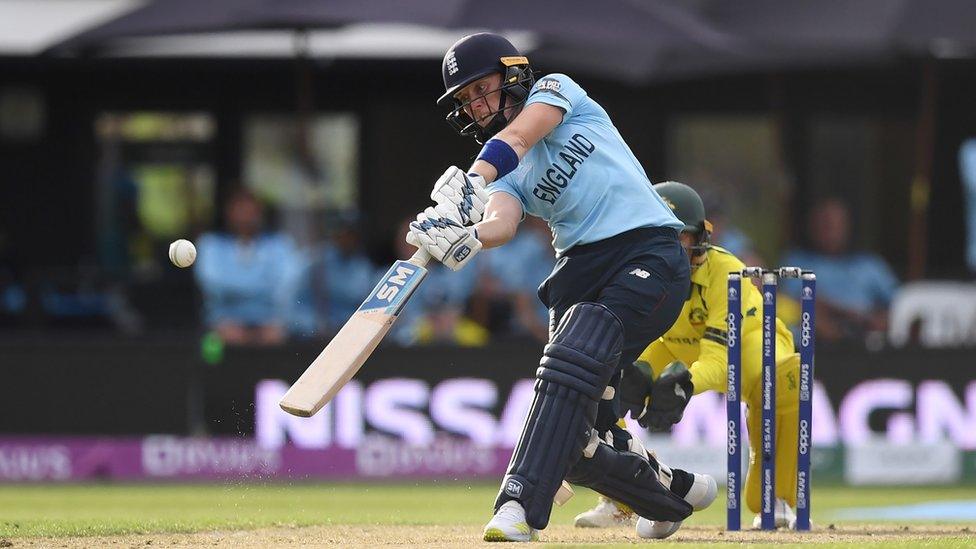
253 283
967 171
860 282
582 178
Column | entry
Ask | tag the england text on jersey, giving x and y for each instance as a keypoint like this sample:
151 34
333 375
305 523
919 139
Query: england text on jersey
576 150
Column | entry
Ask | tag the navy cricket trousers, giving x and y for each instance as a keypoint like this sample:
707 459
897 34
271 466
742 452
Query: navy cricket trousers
642 275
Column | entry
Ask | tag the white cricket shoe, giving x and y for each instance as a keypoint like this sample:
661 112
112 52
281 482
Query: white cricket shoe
606 514
783 514
656 529
701 494
509 524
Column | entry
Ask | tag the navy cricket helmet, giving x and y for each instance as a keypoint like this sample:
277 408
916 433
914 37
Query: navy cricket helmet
477 56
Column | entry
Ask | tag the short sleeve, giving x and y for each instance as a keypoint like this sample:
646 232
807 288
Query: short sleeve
507 185
557 90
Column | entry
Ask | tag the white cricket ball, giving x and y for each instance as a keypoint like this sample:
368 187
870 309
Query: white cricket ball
182 253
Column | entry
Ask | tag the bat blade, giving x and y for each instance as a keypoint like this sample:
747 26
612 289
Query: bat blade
355 342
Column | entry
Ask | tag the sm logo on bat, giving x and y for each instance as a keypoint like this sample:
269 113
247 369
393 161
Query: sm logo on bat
390 287
394 288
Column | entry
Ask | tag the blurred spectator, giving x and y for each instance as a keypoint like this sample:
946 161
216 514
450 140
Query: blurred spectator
248 277
120 229
967 171
507 296
13 296
729 236
854 289
726 234
340 277
436 314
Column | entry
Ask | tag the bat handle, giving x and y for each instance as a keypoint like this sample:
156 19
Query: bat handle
420 258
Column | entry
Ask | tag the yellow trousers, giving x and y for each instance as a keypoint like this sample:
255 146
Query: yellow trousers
787 414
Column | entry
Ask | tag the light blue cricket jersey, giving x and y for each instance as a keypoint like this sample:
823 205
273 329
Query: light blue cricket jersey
582 178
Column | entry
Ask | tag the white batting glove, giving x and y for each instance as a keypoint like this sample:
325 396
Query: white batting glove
463 191
440 233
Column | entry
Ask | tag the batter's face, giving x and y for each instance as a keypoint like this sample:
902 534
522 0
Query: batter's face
481 98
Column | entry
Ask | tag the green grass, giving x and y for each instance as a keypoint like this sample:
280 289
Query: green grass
81 510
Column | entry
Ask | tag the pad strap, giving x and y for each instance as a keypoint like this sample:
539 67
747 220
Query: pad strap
630 479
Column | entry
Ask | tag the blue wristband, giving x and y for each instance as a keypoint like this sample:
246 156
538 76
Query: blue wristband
500 155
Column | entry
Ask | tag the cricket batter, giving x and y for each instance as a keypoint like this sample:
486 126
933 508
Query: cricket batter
698 339
620 278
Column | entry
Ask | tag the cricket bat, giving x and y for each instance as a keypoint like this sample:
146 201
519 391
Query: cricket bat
349 349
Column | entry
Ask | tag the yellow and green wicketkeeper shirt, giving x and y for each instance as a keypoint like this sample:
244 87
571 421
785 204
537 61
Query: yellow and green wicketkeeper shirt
698 336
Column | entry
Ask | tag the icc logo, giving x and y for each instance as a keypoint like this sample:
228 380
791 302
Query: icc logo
807 294
733 294
768 297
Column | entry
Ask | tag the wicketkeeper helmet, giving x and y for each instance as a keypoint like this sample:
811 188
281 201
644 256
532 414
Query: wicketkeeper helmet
688 207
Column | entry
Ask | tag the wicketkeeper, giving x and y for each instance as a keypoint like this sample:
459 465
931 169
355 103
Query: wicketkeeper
698 340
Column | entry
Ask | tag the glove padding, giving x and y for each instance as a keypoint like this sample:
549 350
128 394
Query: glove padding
463 191
669 397
635 386
440 233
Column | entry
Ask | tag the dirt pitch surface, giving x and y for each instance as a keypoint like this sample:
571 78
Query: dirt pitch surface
557 535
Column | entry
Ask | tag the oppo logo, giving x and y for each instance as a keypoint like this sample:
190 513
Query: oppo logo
732 337
804 441
733 440
805 331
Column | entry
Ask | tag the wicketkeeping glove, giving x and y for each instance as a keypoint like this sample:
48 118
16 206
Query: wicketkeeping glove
440 233
635 386
463 191
671 393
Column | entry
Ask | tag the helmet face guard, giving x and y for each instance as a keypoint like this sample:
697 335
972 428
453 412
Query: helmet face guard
517 81
703 238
